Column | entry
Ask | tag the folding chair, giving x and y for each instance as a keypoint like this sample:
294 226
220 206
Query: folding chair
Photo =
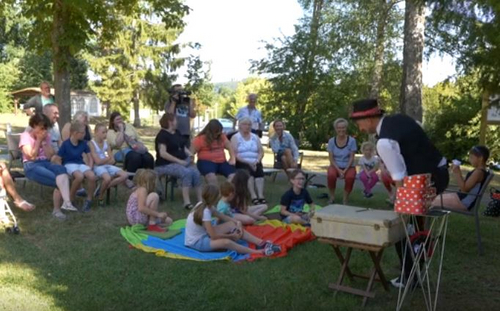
474 211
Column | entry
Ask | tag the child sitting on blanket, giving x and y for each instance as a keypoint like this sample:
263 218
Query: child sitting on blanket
205 237
142 205
104 168
227 194
75 156
293 201
247 214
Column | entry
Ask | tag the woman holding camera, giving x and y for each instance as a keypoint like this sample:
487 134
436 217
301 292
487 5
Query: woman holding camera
132 151
183 107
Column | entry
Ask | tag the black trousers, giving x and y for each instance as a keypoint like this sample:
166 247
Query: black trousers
135 161
440 179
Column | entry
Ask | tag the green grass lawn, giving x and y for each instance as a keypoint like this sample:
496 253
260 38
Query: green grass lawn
85 264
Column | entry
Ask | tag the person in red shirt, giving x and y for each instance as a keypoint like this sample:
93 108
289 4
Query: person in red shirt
209 145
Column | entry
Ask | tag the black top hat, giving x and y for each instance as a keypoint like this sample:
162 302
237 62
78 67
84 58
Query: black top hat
366 108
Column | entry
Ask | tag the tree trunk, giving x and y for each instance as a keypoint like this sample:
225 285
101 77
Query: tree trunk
308 68
410 100
376 83
137 119
61 58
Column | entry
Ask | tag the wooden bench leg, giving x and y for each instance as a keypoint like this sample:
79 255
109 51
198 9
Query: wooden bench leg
342 261
345 266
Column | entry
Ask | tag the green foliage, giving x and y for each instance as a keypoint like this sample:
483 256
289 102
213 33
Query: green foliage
141 57
468 30
315 74
452 118
198 75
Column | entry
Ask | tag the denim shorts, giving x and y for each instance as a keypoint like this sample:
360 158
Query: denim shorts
112 170
72 167
203 244
206 167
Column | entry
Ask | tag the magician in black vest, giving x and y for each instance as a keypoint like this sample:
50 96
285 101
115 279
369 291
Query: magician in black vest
402 144
406 150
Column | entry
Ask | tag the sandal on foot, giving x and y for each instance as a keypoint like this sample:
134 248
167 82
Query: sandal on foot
262 201
188 206
255 201
25 206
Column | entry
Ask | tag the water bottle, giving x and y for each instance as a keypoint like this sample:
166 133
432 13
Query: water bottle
9 128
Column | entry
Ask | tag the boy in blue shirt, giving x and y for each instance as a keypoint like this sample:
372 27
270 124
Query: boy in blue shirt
75 156
293 201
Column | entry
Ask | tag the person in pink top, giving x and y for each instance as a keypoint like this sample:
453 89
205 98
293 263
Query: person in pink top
37 151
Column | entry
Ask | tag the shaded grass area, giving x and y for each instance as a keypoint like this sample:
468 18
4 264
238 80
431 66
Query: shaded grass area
85 264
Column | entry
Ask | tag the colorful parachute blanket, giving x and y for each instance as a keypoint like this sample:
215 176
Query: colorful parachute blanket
287 236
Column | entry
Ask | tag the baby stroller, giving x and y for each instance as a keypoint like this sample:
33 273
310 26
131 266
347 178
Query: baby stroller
7 218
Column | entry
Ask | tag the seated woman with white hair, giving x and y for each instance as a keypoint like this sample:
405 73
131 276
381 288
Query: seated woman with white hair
249 154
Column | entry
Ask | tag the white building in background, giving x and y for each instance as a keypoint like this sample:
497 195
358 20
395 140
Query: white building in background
80 100
85 101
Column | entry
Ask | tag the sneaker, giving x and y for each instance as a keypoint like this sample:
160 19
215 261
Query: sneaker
269 250
81 192
97 191
264 244
398 283
59 215
67 206
86 206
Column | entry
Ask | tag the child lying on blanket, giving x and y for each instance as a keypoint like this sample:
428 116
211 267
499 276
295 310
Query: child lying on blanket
142 205
204 237
293 201
247 214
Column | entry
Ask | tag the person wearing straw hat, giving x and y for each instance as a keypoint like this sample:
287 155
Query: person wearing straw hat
405 149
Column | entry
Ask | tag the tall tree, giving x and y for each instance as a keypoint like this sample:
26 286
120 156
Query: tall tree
411 85
66 27
384 12
138 62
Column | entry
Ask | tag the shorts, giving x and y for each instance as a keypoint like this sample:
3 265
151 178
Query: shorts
203 244
279 154
71 168
112 170
206 167
288 219
259 170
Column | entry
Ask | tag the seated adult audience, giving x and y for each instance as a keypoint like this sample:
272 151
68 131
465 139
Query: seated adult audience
82 117
341 150
284 146
7 183
209 144
173 158
249 154
470 186
37 150
36 103
125 139
251 111
52 112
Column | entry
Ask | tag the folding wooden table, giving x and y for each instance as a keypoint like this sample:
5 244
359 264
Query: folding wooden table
376 275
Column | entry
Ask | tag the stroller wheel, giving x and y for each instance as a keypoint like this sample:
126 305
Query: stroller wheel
16 230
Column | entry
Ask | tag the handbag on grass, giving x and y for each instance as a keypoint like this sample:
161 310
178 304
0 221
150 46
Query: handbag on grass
493 208
135 145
